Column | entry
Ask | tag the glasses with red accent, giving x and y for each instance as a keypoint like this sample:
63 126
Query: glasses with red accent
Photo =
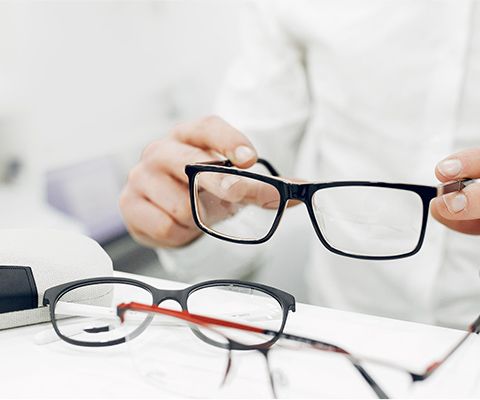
168 355
83 312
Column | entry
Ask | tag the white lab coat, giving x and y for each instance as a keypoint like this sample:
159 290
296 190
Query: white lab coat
360 90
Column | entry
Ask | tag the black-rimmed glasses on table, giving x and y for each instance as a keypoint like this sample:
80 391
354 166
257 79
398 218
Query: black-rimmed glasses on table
86 313
359 219
289 373
83 312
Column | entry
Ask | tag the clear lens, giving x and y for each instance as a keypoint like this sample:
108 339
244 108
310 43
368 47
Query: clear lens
290 366
235 206
369 221
238 304
169 356
395 382
89 313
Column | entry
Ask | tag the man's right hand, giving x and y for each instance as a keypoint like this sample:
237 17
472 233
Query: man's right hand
155 201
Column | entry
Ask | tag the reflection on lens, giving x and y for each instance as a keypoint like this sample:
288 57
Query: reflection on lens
235 206
169 356
369 221
89 313
239 304
290 368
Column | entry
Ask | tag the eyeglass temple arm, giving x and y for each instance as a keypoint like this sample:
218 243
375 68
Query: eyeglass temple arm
324 346
473 328
228 163
371 382
455 186
268 166
203 320
184 315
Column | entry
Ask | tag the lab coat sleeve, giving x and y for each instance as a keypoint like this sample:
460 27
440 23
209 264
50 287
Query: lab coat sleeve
265 95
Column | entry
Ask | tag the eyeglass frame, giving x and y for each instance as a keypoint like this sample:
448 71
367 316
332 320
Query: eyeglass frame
53 295
304 192
473 328
264 349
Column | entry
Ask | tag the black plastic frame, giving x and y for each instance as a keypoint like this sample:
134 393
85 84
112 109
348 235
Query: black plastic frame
52 296
304 192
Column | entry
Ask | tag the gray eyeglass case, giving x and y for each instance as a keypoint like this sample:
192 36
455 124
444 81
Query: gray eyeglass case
33 260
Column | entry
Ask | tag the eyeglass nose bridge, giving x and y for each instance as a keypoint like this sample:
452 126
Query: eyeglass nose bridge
171 295
298 191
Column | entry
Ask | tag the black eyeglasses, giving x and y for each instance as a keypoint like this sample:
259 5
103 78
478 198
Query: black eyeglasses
359 219
84 312
287 377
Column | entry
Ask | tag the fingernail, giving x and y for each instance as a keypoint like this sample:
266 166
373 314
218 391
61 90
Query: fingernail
455 203
450 168
243 154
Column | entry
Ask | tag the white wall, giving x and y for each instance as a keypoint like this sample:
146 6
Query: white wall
84 78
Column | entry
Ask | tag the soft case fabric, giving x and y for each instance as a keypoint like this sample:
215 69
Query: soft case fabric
31 261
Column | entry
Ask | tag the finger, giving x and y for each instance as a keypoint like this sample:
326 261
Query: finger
264 195
145 220
238 189
471 227
171 156
464 164
459 206
211 209
145 240
214 134
167 194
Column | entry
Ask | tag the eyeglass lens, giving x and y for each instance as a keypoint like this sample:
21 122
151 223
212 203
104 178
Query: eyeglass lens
171 358
238 304
369 220
236 206
88 313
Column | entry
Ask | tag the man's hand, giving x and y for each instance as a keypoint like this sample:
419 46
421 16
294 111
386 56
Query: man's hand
155 201
461 210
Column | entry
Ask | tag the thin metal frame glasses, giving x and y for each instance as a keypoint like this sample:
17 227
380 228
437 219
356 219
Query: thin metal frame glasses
355 360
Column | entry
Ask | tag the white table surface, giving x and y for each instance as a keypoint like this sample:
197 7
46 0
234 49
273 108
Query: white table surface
60 370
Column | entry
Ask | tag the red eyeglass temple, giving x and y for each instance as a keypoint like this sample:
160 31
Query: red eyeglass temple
184 315
204 320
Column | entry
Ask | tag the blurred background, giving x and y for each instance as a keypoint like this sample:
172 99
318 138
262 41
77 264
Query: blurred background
84 86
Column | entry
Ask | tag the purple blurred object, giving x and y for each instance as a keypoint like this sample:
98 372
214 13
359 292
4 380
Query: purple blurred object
88 192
